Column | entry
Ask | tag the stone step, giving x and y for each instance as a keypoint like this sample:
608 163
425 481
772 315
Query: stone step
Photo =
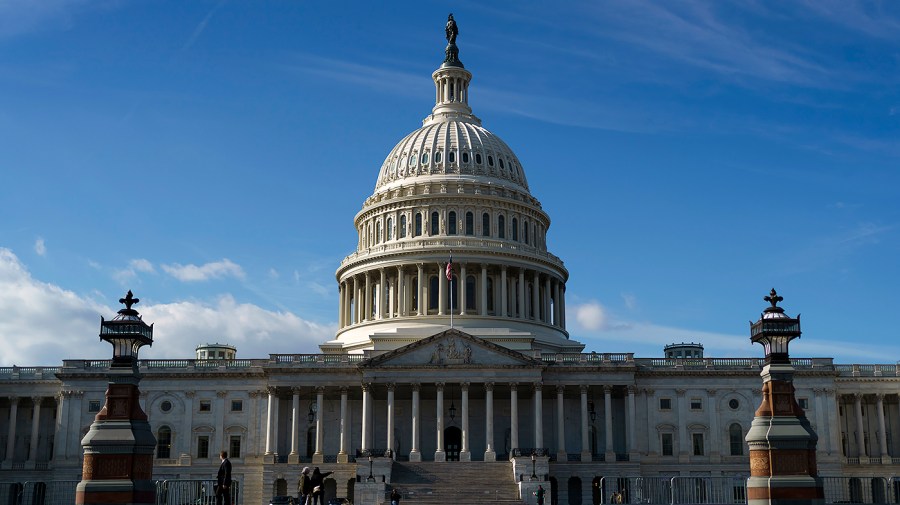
427 483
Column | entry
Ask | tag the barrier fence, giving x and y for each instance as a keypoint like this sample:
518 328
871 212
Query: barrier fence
168 492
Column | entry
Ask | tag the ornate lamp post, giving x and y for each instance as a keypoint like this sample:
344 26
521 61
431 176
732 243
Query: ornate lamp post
118 449
370 478
533 472
781 440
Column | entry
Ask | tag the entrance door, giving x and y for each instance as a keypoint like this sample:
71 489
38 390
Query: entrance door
452 441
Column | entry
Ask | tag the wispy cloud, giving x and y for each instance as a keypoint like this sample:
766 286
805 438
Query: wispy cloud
40 248
25 16
874 19
374 77
205 272
130 272
826 250
201 26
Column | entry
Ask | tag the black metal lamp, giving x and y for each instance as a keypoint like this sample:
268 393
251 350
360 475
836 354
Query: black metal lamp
370 478
533 472
452 410
127 333
775 330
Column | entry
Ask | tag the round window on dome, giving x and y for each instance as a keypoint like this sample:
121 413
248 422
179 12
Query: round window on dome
424 158
478 158
165 406
734 404
437 157
451 157
465 157
491 160
412 159
501 162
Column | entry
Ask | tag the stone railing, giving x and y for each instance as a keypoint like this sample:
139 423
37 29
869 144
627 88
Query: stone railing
445 243
28 372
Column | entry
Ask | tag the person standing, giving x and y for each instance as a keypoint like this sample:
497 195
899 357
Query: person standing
540 495
223 481
304 486
317 481
395 497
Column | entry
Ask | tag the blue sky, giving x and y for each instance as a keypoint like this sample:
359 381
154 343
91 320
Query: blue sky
211 155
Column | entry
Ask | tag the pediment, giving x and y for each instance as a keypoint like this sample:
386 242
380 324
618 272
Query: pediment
451 348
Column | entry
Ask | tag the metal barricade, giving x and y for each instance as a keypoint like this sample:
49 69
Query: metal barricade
645 490
192 492
709 490
49 493
857 490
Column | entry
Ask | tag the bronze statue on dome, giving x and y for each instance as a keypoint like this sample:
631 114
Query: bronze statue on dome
452 30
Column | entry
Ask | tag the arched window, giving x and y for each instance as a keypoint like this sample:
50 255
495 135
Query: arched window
390 228
412 160
418 230
490 294
433 291
424 158
451 156
378 232
451 223
414 303
437 157
490 160
515 229
164 443
736 439
525 229
470 292
478 158
501 162
501 226
470 224
435 223
402 232
465 157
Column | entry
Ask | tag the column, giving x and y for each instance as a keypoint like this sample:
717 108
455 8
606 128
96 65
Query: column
219 410
684 447
489 453
607 415
504 295
631 423
295 420
340 304
62 425
421 287
318 456
464 453
715 448
366 415
484 293
439 454
187 424
546 301
562 306
585 429
382 296
368 305
35 427
390 418
461 286
401 293
345 428
653 436
514 417
821 426
11 433
350 291
536 295
860 427
270 422
882 435
560 425
414 454
523 314
556 321
442 291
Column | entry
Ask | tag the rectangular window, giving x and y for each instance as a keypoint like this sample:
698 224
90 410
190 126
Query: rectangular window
696 404
666 441
804 403
94 406
205 406
698 443
237 405
234 447
665 404
203 447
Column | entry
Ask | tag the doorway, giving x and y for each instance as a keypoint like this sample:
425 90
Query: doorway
452 442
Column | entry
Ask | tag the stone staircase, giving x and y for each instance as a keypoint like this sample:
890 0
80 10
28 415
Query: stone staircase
441 483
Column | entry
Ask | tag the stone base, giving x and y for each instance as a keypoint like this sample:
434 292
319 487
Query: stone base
490 456
269 459
440 456
561 456
586 457
294 459
785 490
318 459
415 457
343 458
465 456
141 492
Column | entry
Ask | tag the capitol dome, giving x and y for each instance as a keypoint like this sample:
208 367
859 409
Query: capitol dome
451 188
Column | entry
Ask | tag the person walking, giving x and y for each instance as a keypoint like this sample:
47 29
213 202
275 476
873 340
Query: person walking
304 487
223 480
317 482
395 497
540 495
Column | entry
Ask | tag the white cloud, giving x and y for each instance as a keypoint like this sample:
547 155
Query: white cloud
40 247
41 324
591 316
214 270
129 273
630 301
273 274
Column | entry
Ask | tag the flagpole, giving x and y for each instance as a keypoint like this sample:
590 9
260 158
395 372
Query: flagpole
451 288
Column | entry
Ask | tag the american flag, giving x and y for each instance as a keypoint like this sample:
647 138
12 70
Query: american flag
450 268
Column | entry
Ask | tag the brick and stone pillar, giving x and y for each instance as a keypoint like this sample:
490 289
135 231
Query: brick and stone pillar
782 443
118 449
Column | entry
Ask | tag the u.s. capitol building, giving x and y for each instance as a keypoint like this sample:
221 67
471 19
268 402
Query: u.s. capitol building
463 372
